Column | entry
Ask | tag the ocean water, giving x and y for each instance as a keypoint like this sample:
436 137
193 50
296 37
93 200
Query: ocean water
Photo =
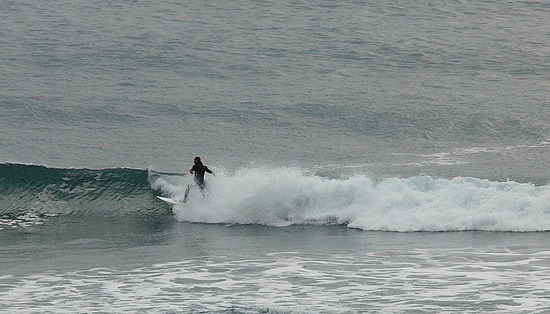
369 156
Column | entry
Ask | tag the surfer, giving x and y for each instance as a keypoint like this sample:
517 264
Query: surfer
198 171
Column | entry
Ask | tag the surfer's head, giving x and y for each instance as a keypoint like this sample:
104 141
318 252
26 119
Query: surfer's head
197 160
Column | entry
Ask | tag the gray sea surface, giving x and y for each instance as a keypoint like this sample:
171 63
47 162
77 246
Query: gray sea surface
370 156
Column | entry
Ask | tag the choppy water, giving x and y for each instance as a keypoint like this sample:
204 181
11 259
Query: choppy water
327 125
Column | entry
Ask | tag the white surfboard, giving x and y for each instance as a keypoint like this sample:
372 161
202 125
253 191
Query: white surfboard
169 200
176 201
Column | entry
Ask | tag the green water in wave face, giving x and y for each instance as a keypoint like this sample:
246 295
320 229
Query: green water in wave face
49 204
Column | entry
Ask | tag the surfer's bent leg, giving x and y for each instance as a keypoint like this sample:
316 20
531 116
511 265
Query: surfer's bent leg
202 185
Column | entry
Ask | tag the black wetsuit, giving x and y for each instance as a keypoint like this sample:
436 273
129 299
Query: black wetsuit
198 170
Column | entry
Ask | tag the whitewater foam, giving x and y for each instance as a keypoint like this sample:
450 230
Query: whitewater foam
423 279
286 196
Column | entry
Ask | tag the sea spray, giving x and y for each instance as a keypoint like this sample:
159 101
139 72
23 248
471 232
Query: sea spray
285 196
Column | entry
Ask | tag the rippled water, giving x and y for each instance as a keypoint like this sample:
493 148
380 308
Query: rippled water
327 125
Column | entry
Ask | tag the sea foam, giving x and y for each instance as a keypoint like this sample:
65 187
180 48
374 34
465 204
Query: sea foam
287 196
